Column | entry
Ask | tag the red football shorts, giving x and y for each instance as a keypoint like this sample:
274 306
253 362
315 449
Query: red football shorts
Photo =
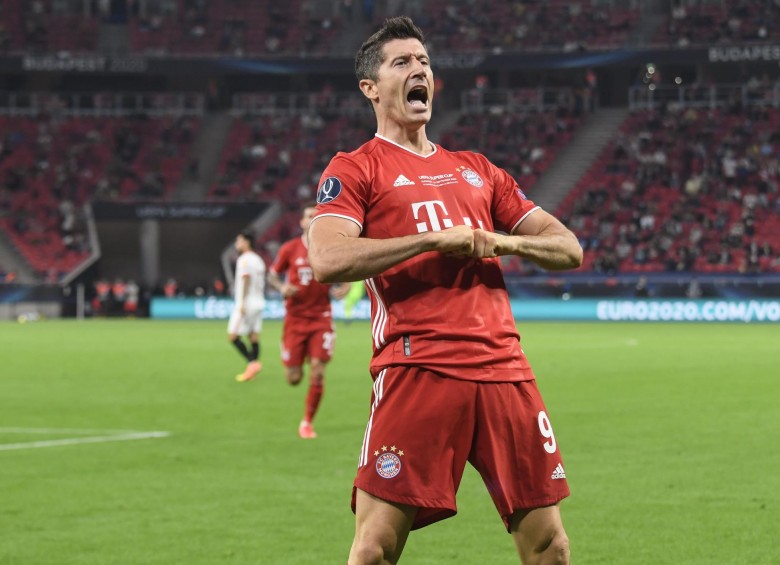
424 427
307 339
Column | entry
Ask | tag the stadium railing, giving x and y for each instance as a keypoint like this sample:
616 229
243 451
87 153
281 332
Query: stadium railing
702 96
294 103
520 99
102 104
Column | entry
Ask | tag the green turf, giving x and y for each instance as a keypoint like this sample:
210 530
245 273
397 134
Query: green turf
670 436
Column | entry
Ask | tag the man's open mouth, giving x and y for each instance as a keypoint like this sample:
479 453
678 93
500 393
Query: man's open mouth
418 97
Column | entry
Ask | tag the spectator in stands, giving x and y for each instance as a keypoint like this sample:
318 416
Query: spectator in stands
641 254
102 298
607 263
152 185
119 296
766 250
592 89
171 288
132 294
694 290
642 290
218 287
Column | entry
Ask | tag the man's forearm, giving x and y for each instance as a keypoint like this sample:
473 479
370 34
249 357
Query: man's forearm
274 281
347 259
555 251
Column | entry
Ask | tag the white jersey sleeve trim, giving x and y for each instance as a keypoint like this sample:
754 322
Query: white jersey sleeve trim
520 221
337 216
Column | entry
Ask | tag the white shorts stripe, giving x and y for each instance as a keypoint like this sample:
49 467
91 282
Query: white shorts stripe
378 392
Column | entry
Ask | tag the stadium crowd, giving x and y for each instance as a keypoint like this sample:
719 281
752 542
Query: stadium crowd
482 25
51 165
679 189
684 189
304 27
183 27
523 143
716 22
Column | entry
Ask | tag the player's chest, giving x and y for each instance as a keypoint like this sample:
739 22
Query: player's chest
299 270
408 200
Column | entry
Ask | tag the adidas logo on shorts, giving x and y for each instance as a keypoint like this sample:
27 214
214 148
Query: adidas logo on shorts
559 473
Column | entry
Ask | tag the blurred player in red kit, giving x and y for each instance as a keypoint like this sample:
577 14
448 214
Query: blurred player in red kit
308 323
418 223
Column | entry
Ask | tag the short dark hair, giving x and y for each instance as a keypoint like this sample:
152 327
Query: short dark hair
248 237
369 57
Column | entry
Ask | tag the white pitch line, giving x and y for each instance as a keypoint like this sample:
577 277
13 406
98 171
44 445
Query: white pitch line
62 431
82 440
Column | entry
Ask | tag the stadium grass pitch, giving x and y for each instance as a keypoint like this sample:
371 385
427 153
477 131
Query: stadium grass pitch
669 435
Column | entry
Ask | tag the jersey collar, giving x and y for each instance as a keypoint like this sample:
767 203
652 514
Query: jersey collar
431 154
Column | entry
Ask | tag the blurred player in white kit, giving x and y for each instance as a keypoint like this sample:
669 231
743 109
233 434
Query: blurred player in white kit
246 319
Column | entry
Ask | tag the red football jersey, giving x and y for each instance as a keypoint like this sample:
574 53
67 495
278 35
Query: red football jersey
312 299
449 314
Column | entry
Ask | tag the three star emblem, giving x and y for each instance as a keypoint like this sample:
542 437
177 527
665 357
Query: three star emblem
392 448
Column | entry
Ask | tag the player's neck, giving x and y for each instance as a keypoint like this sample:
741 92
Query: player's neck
414 140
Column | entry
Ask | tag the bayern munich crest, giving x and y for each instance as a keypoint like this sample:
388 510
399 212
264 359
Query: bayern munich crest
472 178
388 465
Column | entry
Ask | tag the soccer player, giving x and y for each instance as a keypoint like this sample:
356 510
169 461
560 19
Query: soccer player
451 382
246 319
308 323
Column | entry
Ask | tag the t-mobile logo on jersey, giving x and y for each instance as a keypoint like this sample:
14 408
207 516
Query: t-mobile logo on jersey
435 222
305 275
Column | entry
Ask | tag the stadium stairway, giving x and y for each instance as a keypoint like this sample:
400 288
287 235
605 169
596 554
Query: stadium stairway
12 261
574 160
113 39
353 33
653 17
206 150
442 122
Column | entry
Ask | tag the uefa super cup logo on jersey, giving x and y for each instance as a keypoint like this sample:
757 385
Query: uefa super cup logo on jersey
329 190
